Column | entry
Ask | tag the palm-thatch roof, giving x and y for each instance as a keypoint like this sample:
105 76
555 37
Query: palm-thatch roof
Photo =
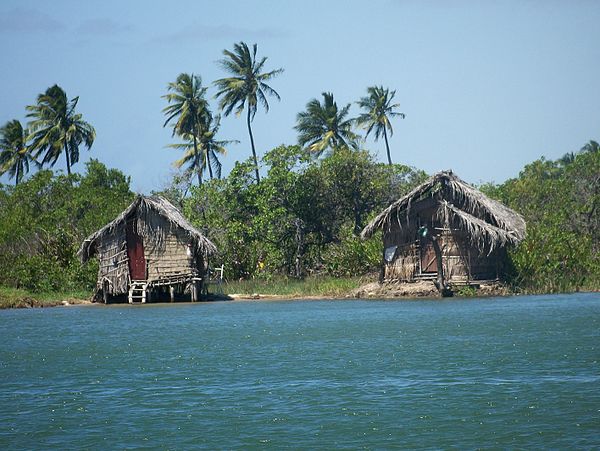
488 223
144 205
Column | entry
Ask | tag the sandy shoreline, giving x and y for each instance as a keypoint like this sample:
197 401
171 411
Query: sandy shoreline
373 291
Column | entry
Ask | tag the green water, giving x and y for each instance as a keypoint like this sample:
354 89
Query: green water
496 373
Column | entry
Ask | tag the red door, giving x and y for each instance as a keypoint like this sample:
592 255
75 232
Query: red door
135 252
428 259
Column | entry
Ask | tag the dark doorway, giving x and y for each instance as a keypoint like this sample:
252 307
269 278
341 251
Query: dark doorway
135 252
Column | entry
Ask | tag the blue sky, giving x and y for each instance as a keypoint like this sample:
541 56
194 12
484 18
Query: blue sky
487 87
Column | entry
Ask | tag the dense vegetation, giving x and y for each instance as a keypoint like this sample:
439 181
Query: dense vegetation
560 201
302 217
44 220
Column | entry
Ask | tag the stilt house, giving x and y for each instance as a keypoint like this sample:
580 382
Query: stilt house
471 229
149 247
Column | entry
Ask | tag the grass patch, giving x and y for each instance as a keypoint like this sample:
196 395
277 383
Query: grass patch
17 298
322 286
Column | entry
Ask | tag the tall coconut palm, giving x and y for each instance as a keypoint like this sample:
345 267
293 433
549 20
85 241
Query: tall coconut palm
188 106
378 111
57 128
324 126
14 152
246 88
205 154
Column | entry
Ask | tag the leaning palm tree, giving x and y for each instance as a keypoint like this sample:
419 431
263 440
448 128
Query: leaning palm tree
57 128
15 155
324 126
378 111
205 153
189 107
246 88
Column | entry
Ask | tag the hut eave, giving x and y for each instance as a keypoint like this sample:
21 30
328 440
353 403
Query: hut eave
163 207
508 226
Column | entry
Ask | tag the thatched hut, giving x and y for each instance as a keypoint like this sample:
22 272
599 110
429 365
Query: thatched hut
148 247
469 230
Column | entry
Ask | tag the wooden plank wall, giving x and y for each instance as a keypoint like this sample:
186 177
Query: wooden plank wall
461 260
170 258
113 263
405 264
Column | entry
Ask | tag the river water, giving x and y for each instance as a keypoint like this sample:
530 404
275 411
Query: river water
518 372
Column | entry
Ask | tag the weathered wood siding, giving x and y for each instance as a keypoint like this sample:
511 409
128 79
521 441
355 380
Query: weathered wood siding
112 259
460 259
168 257
405 264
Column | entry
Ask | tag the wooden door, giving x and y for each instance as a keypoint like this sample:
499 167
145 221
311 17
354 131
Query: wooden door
428 259
135 252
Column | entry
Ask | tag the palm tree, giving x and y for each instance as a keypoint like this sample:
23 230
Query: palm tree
378 111
566 159
57 128
14 152
324 126
188 105
246 88
591 147
205 153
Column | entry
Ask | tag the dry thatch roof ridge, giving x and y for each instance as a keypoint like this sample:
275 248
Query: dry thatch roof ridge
145 204
489 223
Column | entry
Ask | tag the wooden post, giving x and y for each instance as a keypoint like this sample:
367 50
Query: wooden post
194 290
440 284
105 291
172 292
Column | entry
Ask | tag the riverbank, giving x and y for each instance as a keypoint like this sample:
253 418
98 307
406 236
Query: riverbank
16 298
273 288
321 286
280 289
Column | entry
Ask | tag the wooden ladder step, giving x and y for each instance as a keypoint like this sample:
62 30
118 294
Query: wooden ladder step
137 290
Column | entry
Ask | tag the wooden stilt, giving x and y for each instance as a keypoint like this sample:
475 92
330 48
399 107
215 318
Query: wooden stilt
105 291
194 291
172 292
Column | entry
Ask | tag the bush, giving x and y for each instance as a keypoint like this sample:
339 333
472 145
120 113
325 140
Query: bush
44 220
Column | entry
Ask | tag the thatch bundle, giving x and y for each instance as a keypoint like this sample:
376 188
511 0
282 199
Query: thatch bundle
488 223
148 227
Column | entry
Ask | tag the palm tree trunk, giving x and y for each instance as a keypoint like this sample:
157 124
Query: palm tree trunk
253 149
197 163
210 172
17 175
68 159
387 145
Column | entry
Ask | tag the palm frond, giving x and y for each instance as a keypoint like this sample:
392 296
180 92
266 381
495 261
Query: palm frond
247 85
56 127
15 154
324 126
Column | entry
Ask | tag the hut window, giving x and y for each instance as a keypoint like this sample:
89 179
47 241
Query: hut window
389 253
